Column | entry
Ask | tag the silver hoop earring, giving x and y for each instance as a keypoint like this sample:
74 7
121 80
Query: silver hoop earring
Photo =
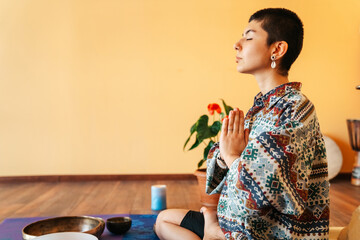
273 63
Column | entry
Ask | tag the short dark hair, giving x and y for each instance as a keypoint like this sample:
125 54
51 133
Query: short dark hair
282 25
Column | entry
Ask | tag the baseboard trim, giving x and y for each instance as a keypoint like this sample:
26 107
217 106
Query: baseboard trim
79 178
107 177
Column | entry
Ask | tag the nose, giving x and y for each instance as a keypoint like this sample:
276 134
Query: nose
237 46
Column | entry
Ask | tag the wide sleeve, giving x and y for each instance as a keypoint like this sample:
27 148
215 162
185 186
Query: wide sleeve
279 163
216 171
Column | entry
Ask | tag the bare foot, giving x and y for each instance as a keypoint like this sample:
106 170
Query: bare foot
212 230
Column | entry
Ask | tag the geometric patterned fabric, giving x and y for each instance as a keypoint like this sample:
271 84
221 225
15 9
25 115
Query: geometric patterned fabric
278 188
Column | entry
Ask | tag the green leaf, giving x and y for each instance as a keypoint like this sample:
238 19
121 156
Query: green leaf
215 127
203 130
201 163
226 107
197 142
207 149
186 142
192 130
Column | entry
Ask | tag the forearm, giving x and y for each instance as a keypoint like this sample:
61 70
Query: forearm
216 173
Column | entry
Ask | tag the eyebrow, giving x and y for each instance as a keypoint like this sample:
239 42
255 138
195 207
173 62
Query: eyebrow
250 30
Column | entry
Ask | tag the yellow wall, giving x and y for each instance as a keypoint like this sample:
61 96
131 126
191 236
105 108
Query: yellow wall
113 86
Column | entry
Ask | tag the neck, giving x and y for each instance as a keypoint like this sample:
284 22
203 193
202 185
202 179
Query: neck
267 82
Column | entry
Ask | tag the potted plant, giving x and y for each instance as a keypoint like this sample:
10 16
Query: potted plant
206 135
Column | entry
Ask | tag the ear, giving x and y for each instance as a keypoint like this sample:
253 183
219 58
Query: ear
279 49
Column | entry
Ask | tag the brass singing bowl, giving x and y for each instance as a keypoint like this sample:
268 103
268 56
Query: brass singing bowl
92 225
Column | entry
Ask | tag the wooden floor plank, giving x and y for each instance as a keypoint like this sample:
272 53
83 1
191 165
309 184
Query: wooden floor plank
131 197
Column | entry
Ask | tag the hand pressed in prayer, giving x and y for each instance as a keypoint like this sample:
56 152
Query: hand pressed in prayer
233 138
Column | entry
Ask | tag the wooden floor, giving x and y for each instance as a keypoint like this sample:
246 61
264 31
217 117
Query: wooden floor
134 197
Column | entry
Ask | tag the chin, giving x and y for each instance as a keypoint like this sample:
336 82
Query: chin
241 70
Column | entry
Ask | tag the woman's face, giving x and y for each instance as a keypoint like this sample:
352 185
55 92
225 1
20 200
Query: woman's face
252 52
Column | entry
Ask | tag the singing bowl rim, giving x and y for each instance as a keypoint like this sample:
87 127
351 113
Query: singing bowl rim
353 120
125 219
99 227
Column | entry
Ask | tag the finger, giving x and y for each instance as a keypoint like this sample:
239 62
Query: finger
231 122
224 128
241 128
236 120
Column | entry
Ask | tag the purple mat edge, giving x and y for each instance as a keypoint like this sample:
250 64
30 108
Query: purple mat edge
14 226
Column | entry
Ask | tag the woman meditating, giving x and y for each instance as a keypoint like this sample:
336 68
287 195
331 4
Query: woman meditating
270 166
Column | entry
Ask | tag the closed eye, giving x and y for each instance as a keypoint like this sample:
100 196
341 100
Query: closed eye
248 39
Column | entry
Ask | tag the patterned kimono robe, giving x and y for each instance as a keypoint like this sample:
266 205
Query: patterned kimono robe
278 188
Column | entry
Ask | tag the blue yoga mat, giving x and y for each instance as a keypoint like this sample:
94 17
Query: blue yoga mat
141 228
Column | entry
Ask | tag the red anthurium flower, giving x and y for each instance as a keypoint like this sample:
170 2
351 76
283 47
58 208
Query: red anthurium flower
214 107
